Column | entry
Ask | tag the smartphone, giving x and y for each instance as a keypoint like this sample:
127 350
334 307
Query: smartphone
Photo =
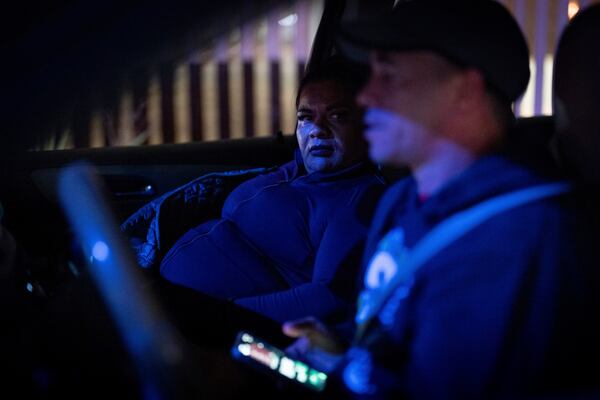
257 352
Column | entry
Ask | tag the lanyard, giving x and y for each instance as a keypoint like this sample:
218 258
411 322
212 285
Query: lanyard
439 238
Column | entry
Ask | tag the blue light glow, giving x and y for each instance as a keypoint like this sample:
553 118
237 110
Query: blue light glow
357 374
100 251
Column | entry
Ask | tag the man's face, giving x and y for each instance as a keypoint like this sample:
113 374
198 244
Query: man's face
407 99
329 130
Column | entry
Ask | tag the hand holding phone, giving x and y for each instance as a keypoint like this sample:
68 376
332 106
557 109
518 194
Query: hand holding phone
248 348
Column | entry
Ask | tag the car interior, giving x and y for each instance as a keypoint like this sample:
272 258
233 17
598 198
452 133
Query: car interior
80 47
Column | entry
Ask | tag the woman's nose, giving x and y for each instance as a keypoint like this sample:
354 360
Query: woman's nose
320 128
319 131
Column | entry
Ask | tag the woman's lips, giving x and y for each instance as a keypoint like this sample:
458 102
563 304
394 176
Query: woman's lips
321 151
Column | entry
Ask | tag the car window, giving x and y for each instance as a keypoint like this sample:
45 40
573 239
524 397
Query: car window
242 83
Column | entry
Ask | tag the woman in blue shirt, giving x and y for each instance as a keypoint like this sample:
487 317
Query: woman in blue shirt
288 243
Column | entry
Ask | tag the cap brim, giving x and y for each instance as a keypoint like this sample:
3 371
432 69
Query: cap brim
352 50
357 39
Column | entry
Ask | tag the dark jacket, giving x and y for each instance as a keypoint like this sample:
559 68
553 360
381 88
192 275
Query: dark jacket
492 313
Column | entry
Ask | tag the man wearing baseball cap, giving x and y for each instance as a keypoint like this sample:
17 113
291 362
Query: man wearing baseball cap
471 277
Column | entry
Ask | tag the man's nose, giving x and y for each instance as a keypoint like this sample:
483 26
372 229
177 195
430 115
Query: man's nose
366 96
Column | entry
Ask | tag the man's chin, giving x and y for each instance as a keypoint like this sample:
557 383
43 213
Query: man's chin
386 158
379 156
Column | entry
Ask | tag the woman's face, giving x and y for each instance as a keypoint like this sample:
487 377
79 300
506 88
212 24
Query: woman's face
329 129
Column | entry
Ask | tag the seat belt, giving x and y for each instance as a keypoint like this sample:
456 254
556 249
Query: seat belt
439 238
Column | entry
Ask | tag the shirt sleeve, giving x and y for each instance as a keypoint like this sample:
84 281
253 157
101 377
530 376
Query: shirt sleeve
313 298
332 291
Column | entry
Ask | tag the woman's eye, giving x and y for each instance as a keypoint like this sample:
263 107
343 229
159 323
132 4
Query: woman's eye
304 117
338 116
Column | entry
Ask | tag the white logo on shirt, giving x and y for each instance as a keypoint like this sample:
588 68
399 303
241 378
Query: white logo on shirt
390 253
381 269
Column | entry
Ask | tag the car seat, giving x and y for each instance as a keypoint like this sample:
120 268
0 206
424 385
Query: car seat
576 102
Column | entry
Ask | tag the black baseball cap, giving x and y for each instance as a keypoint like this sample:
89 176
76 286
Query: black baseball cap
473 33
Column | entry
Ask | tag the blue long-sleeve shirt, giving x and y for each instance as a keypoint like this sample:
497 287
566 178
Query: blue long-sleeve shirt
288 245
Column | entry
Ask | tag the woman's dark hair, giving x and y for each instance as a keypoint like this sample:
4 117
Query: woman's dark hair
349 74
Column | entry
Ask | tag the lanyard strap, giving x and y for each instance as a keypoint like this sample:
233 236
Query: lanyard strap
444 234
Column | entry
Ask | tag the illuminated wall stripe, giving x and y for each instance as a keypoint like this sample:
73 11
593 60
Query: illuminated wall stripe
546 107
124 116
302 40
540 50
96 132
525 108
210 100
65 140
236 88
519 10
262 82
140 108
154 110
314 17
289 83
181 104
166 99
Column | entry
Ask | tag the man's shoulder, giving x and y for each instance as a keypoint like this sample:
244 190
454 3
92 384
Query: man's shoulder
397 190
395 196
